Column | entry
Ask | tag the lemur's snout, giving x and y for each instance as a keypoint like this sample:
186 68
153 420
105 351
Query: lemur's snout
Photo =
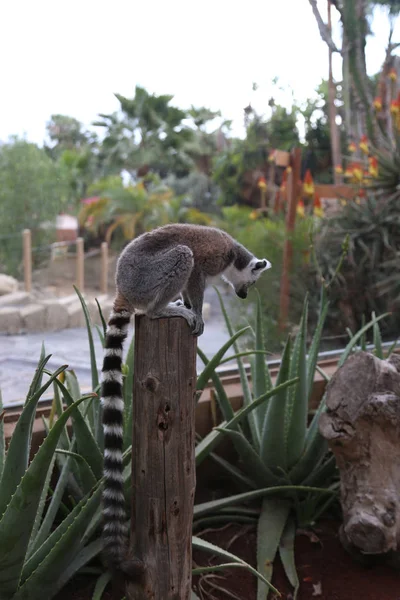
262 264
267 264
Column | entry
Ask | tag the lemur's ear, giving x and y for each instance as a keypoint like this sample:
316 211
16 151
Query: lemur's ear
260 264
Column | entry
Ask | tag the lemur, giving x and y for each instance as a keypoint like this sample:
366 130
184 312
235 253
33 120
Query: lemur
151 272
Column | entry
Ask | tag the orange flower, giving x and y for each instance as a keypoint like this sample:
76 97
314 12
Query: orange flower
348 172
339 169
355 172
352 147
271 156
308 184
364 144
262 184
300 209
373 166
377 103
318 210
394 107
253 215
392 74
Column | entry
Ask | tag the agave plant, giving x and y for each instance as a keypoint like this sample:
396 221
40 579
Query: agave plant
368 281
284 460
28 552
44 541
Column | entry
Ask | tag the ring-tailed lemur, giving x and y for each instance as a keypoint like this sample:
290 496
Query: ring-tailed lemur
151 271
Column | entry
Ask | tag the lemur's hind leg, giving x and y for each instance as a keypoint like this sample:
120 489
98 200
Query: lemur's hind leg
176 266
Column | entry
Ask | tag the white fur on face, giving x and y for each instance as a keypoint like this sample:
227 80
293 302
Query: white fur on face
247 276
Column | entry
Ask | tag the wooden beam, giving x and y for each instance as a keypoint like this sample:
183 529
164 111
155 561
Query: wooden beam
335 191
80 264
27 244
163 463
292 186
104 268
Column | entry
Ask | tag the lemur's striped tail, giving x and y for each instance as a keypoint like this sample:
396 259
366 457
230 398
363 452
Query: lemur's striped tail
115 529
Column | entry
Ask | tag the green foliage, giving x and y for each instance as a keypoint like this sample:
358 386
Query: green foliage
26 556
66 133
283 457
33 190
197 191
265 238
368 281
133 209
147 133
45 541
237 169
281 128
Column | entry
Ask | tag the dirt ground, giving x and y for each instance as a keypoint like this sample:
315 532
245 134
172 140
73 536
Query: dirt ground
325 570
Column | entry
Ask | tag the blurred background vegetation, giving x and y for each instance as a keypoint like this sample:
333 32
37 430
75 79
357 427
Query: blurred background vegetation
150 163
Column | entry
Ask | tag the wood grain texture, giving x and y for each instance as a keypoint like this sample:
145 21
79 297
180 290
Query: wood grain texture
163 465
362 426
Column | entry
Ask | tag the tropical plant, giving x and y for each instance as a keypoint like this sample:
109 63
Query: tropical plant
284 459
29 551
266 237
33 190
368 281
138 208
147 134
47 540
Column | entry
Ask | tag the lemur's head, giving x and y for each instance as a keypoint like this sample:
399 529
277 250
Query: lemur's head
242 275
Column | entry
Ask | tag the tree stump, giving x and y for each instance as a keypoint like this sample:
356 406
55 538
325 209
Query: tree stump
163 462
362 426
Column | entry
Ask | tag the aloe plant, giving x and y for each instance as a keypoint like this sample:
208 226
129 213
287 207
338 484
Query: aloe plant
285 461
44 542
23 488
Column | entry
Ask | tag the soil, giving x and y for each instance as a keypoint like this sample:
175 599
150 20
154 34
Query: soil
326 571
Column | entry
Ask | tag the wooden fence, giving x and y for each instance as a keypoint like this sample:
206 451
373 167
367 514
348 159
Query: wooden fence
79 261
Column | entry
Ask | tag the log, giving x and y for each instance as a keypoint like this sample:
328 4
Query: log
163 462
362 426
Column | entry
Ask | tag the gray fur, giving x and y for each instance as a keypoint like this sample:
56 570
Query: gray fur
152 271
157 266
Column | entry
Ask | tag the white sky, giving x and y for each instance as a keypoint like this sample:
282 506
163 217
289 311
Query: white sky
70 56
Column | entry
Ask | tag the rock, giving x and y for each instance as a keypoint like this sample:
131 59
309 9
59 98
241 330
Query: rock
362 424
33 317
76 317
10 320
56 315
15 299
8 284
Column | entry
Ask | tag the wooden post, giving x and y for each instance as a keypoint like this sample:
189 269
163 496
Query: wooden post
334 130
292 194
104 268
163 465
27 245
80 264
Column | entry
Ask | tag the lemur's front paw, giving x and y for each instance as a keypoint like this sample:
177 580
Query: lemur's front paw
198 326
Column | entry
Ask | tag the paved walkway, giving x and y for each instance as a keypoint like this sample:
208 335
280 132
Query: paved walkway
19 354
